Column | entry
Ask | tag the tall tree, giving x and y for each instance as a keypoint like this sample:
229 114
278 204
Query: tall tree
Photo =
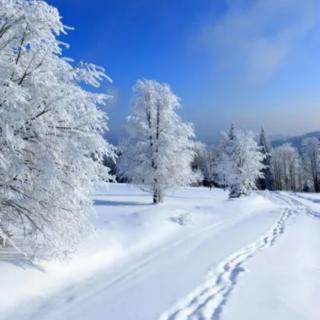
51 143
243 162
159 151
265 182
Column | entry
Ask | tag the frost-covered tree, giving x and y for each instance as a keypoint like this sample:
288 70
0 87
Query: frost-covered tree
204 163
209 168
223 154
159 151
311 161
286 168
265 182
51 143
243 162
198 162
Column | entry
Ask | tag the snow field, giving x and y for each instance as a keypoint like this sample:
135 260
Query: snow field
130 232
196 256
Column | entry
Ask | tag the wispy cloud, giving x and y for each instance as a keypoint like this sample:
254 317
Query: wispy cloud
258 35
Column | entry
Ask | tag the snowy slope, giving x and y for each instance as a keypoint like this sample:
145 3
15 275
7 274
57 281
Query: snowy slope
197 256
284 282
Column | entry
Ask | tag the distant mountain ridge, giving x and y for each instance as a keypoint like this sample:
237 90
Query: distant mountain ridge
295 141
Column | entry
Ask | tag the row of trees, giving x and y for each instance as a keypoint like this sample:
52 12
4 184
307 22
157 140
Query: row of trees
282 168
297 170
161 153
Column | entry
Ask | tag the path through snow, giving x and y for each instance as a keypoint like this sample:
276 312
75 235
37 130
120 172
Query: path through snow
207 302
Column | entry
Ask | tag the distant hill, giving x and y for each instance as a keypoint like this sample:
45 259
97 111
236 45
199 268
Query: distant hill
276 137
295 141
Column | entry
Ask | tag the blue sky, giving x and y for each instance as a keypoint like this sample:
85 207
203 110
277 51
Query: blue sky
250 63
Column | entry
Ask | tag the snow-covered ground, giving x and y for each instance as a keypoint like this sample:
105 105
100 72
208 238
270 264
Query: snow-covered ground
196 256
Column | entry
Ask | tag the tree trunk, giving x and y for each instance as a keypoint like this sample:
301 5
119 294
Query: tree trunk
157 196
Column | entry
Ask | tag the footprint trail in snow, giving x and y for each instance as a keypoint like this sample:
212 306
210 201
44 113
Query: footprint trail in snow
208 300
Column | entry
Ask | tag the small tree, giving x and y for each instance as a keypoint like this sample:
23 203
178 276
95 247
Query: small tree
244 163
159 151
209 168
311 161
265 182
199 160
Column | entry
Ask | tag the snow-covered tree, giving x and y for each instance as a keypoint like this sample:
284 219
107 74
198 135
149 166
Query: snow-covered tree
209 168
198 162
159 151
286 168
223 154
204 162
243 161
311 161
51 143
265 147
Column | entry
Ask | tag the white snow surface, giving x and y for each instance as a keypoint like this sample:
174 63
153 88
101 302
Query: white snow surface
196 256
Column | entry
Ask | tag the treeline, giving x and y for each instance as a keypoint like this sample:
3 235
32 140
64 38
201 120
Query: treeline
240 162
284 168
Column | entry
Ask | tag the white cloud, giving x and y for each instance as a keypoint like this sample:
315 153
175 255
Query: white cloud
257 35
